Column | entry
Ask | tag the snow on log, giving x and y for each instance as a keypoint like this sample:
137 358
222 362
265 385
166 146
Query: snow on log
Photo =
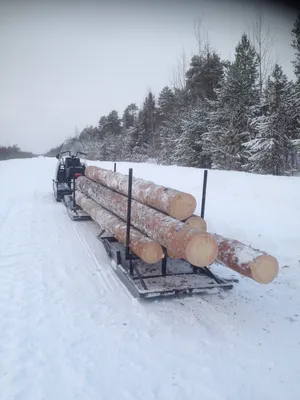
197 222
200 249
247 261
144 247
172 202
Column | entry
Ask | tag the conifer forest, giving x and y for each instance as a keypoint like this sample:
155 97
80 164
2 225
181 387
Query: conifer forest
242 115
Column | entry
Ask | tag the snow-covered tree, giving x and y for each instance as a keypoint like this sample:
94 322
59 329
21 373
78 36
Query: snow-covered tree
296 46
234 109
189 146
204 75
89 138
170 127
165 103
129 115
138 140
164 112
147 121
109 136
272 149
129 121
170 130
296 63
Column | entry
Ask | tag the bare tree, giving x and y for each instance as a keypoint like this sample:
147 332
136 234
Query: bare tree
179 71
198 33
263 42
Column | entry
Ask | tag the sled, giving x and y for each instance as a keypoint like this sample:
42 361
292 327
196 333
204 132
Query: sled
166 278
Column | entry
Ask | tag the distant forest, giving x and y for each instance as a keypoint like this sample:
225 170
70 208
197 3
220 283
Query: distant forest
242 115
14 151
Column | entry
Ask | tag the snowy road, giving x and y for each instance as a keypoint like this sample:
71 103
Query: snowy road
70 330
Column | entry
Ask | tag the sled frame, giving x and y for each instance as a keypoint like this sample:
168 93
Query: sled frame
161 279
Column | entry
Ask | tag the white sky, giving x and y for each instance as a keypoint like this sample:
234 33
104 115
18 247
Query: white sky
65 64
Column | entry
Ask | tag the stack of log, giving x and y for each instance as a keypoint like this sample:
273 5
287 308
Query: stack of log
164 219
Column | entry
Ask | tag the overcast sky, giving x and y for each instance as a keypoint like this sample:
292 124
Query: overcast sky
65 64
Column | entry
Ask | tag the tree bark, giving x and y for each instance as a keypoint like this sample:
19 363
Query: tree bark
144 247
200 249
174 203
245 260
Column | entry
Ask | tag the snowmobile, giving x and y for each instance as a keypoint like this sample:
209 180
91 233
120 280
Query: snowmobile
69 167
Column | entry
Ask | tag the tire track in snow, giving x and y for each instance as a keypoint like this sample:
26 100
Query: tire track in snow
20 315
4 223
35 304
107 278
88 251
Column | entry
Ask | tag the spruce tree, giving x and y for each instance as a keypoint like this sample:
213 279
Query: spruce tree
128 130
129 115
173 108
170 131
272 149
164 112
236 105
204 76
139 145
165 104
147 121
296 46
190 147
296 63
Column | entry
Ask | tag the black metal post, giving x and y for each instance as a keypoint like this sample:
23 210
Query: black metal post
74 202
164 266
115 167
204 193
127 247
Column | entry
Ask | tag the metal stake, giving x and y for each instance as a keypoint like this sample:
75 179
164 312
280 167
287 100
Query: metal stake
127 247
204 194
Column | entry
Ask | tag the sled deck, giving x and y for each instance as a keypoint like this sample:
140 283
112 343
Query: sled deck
74 211
164 279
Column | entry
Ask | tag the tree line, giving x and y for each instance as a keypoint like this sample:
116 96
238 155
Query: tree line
242 115
9 152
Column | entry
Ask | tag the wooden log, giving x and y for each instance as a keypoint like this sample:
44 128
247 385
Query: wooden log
195 221
147 249
200 249
245 260
177 204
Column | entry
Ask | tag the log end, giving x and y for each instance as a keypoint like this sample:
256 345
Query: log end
197 222
264 269
183 206
152 253
202 250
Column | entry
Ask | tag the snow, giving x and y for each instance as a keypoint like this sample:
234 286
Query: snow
246 254
70 330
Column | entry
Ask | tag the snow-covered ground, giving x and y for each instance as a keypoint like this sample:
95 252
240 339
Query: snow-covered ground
69 329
